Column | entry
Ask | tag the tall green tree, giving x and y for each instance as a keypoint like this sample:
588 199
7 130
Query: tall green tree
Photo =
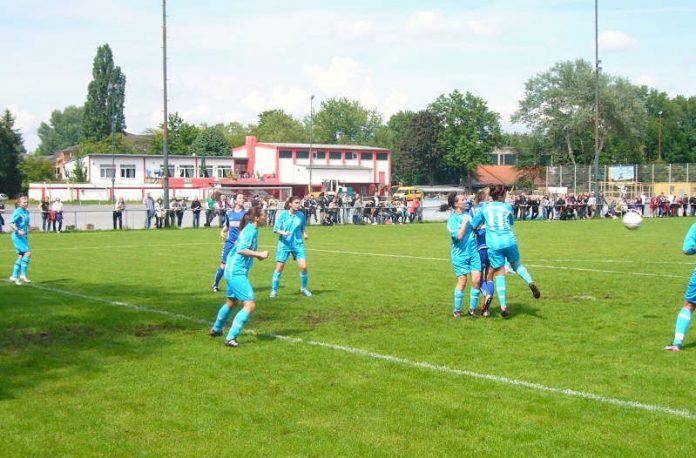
11 149
421 152
279 127
63 130
389 137
35 168
105 98
211 141
470 131
559 105
342 121
181 136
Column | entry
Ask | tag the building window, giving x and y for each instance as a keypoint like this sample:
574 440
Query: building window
127 171
186 171
350 156
286 154
206 172
366 156
382 156
335 155
224 171
169 167
320 155
509 159
302 154
106 171
493 158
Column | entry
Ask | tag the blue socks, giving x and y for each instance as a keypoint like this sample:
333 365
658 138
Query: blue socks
15 269
458 299
24 263
304 278
487 287
276 280
683 322
239 321
473 298
500 289
218 275
222 316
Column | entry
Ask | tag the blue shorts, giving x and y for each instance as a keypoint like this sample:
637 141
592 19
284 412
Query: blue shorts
690 295
239 287
483 254
463 266
21 243
298 252
226 251
497 257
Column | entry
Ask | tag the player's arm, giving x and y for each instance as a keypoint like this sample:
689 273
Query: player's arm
224 233
280 221
260 255
478 220
13 225
689 246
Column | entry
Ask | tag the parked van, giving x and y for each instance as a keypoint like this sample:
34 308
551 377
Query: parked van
408 193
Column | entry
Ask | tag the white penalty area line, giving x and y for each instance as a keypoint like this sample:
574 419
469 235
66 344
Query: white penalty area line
401 361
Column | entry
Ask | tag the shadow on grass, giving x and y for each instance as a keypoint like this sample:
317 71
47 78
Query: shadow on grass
524 309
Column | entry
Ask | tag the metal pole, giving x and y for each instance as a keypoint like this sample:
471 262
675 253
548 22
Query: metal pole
659 137
112 87
596 119
311 122
165 129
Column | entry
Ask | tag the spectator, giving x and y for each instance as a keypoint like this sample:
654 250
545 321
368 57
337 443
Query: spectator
692 205
210 210
45 208
160 213
196 211
221 209
180 210
171 211
117 216
149 203
57 215
272 210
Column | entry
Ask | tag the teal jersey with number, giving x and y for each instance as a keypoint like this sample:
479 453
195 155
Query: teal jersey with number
498 218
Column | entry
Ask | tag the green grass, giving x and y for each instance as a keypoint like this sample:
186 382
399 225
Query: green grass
107 352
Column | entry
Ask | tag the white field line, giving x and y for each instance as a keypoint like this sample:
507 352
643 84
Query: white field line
401 361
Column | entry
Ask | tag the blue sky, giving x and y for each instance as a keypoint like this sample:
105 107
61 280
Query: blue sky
230 60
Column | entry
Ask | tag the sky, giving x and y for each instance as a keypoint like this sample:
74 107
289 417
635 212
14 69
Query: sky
231 60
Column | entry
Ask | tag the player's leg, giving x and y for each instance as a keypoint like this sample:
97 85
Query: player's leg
242 290
684 316
497 261
304 274
14 278
226 248
282 255
513 256
23 266
222 316
459 292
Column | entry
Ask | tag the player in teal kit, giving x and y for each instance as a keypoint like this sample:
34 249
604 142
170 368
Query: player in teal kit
498 217
237 268
687 310
20 230
290 226
229 233
464 253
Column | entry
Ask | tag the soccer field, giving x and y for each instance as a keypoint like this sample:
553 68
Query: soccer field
107 352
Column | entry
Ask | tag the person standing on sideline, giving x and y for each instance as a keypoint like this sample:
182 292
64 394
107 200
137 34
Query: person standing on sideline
149 203
221 207
57 210
119 208
498 216
209 210
196 211
687 310
45 209
229 235
20 238
180 210
464 254
290 226
237 276
160 213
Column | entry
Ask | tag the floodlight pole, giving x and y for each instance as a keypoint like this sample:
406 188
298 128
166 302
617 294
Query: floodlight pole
598 197
165 127
659 137
311 122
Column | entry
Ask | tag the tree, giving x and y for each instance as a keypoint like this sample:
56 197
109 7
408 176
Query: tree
469 132
211 141
63 130
181 136
389 137
278 126
559 105
35 168
421 152
105 98
341 121
11 148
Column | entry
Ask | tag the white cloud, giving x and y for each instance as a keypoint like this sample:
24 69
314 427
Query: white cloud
396 101
426 21
291 100
343 77
614 40
646 80
361 29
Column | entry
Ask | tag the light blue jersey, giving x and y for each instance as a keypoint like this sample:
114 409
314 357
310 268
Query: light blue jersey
295 224
21 219
498 218
464 252
238 264
689 247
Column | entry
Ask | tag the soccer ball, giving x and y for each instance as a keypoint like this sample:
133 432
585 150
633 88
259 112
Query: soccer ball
632 220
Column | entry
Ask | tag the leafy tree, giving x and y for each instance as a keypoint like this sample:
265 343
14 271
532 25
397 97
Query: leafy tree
211 141
470 131
559 105
278 126
236 133
421 152
35 168
341 121
11 147
63 130
181 136
389 136
79 173
105 98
